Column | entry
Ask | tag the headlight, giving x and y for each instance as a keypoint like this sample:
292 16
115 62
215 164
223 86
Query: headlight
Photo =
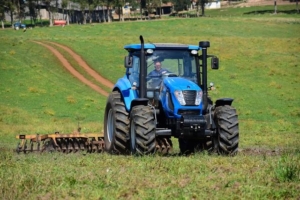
179 97
198 98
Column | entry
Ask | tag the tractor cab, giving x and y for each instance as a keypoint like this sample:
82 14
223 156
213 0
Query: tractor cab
163 63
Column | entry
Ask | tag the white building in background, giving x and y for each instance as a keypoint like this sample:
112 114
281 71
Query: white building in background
210 5
213 5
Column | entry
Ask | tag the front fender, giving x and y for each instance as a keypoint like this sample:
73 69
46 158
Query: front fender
128 94
224 101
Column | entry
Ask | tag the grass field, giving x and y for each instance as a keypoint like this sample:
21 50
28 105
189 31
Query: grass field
259 68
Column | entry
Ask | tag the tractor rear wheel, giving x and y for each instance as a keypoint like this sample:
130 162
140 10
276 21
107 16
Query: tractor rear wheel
227 140
142 130
116 125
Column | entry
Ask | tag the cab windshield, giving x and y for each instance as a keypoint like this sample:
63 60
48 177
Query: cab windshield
179 63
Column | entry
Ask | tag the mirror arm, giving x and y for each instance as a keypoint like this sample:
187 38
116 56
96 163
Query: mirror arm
208 56
211 56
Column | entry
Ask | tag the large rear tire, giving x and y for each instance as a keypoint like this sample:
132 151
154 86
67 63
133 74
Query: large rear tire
142 130
227 140
116 125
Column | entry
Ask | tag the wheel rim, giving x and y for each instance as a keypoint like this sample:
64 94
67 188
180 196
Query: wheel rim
110 125
132 135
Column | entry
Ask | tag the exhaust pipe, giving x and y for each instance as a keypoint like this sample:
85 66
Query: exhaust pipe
204 45
143 71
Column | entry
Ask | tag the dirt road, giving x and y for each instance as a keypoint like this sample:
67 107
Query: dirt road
65 63
249 3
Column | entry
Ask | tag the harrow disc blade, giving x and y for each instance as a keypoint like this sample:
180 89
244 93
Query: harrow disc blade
164 145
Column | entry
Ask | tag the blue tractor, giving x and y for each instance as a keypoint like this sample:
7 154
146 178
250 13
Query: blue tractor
146 109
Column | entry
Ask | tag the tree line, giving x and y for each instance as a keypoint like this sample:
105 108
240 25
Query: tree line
18 10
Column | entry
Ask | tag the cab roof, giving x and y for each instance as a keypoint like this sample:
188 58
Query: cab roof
175 46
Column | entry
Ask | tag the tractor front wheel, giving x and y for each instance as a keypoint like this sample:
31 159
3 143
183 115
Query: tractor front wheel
116 125
227 140
142 130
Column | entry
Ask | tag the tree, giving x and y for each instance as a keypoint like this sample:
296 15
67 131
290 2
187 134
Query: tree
108 5
10 7
180 5
32 11
135 5
83 5
202 6
92 4
49 7
2 13
275 7
64 5
21 9
119 5
102 4
155 5
97 3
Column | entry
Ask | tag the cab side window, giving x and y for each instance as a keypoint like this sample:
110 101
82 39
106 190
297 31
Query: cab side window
135 71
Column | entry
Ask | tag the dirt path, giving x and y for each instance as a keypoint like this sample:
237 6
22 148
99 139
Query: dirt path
85 66
263 3
75 73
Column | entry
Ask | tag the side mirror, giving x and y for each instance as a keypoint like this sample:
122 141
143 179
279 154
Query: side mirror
215 63
128 62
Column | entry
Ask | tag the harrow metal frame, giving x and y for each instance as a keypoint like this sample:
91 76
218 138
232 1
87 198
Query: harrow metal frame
66 143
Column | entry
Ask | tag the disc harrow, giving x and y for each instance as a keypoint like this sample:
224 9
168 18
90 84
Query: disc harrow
65 143
164 145
76 142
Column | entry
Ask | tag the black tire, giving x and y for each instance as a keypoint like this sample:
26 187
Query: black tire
186 146
116 125
142 130
227 140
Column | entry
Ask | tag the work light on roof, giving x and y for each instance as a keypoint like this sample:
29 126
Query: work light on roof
149 51
194 52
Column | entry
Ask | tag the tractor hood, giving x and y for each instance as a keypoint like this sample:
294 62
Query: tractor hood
180 96
177 83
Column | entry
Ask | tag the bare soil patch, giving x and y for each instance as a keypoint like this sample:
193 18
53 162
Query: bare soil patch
256 151
85 66
249 3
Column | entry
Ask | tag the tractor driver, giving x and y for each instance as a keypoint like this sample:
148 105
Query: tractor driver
158 71
156 74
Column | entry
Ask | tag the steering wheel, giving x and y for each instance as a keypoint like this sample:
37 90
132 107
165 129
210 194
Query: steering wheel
170 74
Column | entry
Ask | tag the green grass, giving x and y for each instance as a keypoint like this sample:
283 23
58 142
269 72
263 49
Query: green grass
259 68
119 177
36 90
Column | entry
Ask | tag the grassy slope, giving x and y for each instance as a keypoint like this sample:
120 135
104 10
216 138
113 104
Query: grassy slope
259 58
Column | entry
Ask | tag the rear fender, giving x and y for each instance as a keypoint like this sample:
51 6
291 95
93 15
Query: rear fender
139 101
224 101
127 92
